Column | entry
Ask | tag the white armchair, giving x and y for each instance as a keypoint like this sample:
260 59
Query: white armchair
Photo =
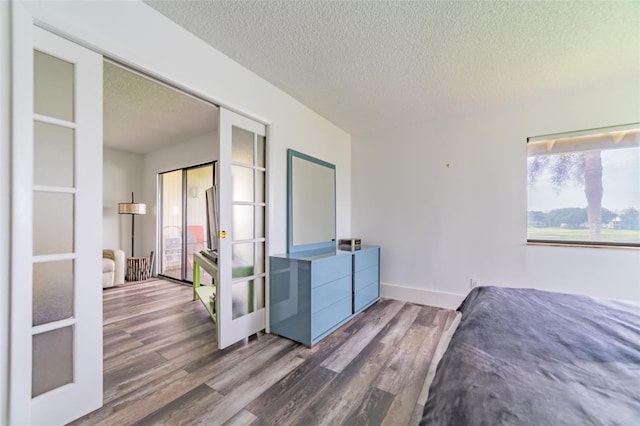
113 266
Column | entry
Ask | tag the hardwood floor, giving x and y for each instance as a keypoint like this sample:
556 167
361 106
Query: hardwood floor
161 366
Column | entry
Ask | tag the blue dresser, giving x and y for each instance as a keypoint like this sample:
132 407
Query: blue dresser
314 292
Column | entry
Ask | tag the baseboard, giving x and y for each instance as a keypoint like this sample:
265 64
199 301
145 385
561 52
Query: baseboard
421 296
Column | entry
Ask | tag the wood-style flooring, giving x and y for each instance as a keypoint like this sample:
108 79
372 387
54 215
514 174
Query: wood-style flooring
162 366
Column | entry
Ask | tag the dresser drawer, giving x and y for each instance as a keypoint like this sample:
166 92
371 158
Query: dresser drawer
328 317
365 277
365 296
365 259
329 293
331 269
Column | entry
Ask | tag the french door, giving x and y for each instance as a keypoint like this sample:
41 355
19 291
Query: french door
56 292
241 174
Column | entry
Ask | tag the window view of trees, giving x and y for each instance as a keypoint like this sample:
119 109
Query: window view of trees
575 218
585 187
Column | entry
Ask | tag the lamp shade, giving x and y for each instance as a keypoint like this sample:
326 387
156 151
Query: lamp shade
132 208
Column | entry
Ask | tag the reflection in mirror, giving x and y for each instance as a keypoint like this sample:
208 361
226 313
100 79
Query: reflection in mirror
312 203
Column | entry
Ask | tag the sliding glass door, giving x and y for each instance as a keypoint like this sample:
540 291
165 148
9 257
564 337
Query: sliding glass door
171 231
183 220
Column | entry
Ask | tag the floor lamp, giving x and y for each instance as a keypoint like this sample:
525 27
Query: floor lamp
133 209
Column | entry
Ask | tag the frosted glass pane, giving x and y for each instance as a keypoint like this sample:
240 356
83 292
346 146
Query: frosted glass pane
52 360
259 292
259 222
52 86
241 184
241 146
52 223
242 260
53 155
242 222
52 291
259 269
260 156
260 189
243 294
247 297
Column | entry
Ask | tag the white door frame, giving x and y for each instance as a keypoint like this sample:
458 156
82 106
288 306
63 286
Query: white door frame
5 209
19 410
84 393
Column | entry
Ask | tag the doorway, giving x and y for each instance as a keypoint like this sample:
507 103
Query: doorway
86 346
151 128
183 218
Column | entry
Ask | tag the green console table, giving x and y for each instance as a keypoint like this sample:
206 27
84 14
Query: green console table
204 292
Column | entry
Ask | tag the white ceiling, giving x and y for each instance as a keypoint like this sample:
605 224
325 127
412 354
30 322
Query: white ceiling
141 115
371 64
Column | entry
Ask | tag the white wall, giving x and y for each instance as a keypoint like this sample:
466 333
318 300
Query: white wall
146 40
199 150
122 174
439 227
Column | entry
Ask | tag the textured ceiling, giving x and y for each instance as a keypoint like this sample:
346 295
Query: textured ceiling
366 64
141 115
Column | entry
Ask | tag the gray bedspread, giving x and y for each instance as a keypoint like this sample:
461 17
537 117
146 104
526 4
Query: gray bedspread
522 356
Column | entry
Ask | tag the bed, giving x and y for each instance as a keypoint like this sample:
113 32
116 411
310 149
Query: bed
522 356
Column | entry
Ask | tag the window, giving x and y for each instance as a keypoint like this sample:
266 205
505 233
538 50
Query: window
584 187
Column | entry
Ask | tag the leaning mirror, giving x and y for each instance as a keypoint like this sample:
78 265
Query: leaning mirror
311 202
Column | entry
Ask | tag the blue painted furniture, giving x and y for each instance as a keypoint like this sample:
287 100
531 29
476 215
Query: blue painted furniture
314 292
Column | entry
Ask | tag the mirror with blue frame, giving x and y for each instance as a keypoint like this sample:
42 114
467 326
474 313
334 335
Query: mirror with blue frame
311 202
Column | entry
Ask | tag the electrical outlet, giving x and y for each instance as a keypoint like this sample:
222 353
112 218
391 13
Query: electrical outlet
474 282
